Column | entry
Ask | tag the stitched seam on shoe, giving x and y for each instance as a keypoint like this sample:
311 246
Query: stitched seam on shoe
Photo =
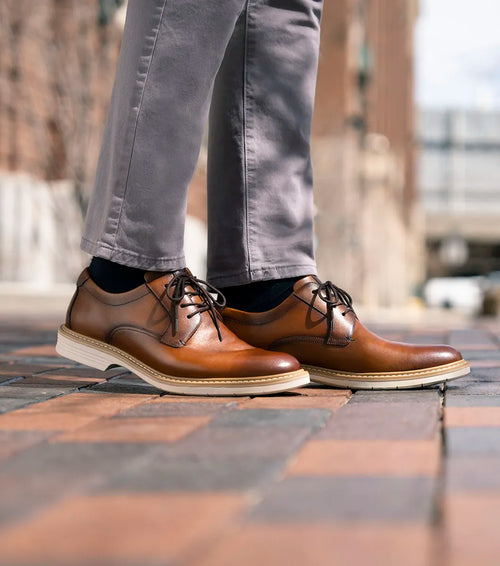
309 339
159 375
144 331
410 373
100 299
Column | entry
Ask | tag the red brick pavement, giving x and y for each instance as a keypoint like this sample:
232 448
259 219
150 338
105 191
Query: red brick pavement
102 469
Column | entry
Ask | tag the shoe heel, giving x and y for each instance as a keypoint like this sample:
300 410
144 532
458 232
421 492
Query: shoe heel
72 348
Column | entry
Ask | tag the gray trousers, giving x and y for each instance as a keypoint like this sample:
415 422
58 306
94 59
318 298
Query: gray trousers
250 65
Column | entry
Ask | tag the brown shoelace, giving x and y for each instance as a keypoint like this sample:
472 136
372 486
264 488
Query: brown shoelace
176 291
333 296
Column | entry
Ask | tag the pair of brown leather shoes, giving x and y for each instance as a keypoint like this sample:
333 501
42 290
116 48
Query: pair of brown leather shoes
175 333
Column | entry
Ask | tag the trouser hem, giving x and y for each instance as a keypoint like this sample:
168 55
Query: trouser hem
132 259
262 274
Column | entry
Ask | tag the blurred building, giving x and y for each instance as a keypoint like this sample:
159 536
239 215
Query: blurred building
459 178
57 63
368 223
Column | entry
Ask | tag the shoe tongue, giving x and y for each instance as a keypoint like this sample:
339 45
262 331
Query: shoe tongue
158 280
152 275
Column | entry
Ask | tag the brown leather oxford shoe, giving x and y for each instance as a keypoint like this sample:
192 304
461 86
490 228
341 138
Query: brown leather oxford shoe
170 333
317 325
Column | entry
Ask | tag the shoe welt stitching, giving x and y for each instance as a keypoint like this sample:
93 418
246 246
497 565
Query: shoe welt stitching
408 374
164 377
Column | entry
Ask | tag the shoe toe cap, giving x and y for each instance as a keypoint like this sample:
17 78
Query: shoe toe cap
271 363
441 355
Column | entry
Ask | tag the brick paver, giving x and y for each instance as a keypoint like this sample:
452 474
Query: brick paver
102 469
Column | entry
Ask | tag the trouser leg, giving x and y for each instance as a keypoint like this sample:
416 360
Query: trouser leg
260 205
170 55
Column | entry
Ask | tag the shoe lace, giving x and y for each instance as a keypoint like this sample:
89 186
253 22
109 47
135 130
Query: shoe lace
333 296
176 291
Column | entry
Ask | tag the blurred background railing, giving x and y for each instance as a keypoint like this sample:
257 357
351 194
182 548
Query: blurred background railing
403 196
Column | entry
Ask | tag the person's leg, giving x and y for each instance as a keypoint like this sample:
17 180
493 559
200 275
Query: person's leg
260 204
168 330
170 55
260 210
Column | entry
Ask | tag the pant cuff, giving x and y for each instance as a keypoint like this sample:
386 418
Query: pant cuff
262 274
132 259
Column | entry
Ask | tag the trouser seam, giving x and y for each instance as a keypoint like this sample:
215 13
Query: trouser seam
136 124
245 141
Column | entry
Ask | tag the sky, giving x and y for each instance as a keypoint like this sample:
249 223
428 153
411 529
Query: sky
458 54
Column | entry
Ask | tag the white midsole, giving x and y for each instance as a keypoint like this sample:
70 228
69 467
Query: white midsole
398 380
102 356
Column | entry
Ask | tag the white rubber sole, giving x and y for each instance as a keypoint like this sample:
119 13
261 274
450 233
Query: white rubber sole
396 380
102 356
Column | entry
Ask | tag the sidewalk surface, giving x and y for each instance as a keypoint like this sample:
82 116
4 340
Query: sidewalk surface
102 469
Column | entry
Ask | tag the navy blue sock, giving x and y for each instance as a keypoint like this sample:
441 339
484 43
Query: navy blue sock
113 277
259 296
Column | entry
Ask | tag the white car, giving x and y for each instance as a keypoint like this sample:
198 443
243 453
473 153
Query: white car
461 293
